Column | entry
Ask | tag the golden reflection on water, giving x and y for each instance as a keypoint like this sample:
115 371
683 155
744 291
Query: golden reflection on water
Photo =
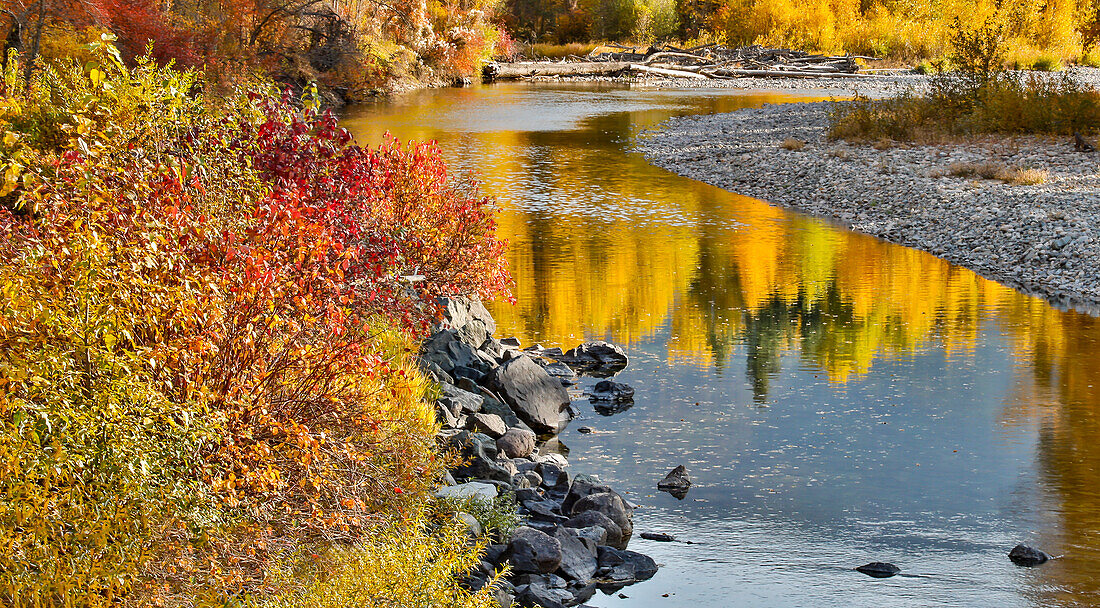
603 245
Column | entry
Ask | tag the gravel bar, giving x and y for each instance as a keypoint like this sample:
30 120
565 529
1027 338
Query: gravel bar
1040 239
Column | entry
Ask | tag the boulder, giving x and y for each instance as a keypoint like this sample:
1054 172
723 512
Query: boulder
478 453
610 504
542 594
609 391
516 443
493 405
578 555
676 482
460 401
532 394
510 342
533 551
582 486
559 370
490 424
1023 555
613 534
622 566
485 492
879 569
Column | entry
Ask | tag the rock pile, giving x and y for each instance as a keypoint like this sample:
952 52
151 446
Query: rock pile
497 402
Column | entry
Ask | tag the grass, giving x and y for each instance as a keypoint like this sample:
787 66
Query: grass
960 106
1047 63
991 170
558 51
792 144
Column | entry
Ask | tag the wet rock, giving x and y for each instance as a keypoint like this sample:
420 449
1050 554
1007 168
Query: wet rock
485 492
660 537
533 551
516 443
610 408
542 594
578 555
609 391
597 358
511 342
490 424
676 482
478 453
1023 555
532 394
561 371
621 566
879 569
585 429
613 534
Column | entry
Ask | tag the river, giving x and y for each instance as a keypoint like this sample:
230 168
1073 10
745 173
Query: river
836 399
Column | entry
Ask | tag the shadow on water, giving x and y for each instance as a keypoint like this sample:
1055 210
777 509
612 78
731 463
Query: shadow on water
836 399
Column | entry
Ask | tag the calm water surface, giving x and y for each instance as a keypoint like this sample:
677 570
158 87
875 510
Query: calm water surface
836 399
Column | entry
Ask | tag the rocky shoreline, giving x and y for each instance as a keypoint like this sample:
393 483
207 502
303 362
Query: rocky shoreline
501 409
1042 239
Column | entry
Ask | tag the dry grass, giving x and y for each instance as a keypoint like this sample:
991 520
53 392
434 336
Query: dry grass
1000 171
792 144
558 51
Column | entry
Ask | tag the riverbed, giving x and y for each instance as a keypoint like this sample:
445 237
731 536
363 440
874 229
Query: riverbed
836 398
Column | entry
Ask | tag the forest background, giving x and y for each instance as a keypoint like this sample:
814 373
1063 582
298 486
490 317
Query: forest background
359 47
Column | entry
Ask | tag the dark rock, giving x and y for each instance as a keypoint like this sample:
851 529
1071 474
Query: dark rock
607 390
598 358
516 443
610 504
496 554
676 482
478 453
559 370
588 519
585 429
596 534
660 537
578 555
461 371
434 349
553 475
548 510
879 569
493 405
512 342
533 551
1023 555
492 349
582 486
460 401
445 416
532 394
465 355
620 566
490 424
541 594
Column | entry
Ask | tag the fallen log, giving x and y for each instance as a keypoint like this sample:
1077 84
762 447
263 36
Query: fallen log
645 69
793 74
528 69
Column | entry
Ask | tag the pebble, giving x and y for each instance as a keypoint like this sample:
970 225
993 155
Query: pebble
1040 239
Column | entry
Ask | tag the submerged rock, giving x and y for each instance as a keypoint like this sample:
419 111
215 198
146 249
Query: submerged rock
597 358
660 537
606 390
677 480
879 569
1023 555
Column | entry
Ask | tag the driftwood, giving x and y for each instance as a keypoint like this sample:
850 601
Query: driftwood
701 62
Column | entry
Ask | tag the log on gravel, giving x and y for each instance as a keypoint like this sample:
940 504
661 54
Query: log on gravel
512 71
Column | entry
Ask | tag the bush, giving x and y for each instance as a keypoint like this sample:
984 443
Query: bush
1047 63
206 329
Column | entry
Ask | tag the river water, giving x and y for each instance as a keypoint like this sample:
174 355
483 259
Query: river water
836 399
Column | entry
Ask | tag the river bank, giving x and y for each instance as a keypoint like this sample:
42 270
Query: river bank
1041 239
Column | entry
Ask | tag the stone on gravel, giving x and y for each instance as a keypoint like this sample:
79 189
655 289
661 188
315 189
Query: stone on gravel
532 394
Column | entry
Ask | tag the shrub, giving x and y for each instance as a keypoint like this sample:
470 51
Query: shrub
792 144
498 518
